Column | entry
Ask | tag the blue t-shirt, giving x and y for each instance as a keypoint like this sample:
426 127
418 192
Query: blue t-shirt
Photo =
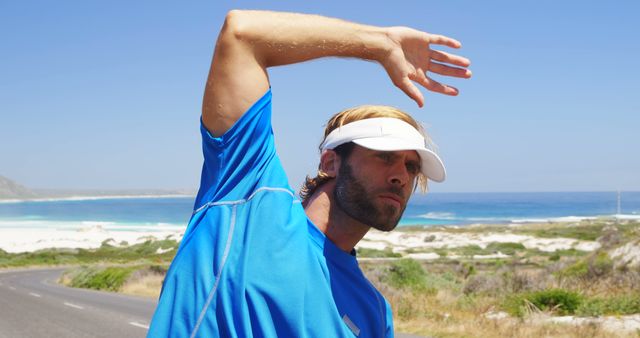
251 263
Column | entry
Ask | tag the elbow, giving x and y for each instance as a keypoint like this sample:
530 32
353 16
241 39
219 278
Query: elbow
242 32
235 25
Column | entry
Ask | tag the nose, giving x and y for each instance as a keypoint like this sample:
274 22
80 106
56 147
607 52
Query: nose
398 174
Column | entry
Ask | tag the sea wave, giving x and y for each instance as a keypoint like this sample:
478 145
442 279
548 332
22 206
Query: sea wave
633 216
438 215
91 198
446 216
488 219
565 219
87 225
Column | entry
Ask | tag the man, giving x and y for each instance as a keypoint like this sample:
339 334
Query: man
254 260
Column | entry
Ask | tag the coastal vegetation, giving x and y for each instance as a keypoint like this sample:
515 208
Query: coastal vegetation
494 289
141 280
151 251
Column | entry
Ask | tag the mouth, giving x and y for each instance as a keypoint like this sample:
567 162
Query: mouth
392 199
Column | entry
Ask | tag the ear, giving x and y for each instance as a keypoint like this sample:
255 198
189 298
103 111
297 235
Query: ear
330 163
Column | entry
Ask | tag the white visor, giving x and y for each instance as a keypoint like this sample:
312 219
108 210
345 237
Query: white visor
388 134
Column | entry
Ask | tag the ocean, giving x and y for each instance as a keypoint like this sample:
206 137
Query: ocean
470 208
173 213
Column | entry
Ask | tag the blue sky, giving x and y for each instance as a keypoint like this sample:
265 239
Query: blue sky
108 94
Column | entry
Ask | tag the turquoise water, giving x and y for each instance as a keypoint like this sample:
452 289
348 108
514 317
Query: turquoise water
161 213
433 209
468 208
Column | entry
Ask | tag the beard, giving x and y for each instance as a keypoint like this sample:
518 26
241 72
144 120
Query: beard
354 199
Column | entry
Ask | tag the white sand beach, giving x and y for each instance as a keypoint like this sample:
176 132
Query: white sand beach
414 244
400 242
16 240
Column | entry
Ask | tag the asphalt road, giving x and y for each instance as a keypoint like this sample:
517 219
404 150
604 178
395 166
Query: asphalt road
32 304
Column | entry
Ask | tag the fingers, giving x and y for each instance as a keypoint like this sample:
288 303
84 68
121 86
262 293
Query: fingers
443 40
411 90
450 58
434 85
449 71
438 87
407 86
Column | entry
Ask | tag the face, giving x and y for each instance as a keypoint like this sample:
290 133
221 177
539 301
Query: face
374 187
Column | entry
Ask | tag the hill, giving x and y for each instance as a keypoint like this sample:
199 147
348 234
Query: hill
12 190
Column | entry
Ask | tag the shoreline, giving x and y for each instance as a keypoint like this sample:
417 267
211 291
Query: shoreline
92 198
418 242
19 240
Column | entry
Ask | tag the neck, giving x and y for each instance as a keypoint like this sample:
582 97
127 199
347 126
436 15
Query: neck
322 209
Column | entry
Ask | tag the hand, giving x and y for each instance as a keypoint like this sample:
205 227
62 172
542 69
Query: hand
411 57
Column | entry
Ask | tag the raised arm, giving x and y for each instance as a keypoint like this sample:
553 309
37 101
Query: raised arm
252 41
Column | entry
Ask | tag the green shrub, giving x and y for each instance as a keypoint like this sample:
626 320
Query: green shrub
158 269
466 269
42 257
618 305
471 250
441 252
106 242
594 266
484 284
507 248
365 252
560 301
570 252
578 270
406 274
583 232
106 253
440 281
110 279
600 264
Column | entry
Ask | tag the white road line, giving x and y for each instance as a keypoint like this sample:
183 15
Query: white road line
73 305
34 294
139 325
12 288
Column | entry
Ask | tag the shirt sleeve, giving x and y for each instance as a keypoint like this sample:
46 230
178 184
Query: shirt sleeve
389 319
235 162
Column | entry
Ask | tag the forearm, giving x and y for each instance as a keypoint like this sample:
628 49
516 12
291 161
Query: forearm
285 38
252 41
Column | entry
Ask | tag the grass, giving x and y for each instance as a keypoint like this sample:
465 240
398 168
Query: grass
427 298
506 248
617 305
373 253
406 274
145 280
562 302
108 278
143 284
143 253
589 232
594 266
442 298
527 285
586 231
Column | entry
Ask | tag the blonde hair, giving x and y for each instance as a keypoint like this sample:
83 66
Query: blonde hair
354 114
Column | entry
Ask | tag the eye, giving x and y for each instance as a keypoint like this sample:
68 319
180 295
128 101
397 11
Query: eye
385 156
413 168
